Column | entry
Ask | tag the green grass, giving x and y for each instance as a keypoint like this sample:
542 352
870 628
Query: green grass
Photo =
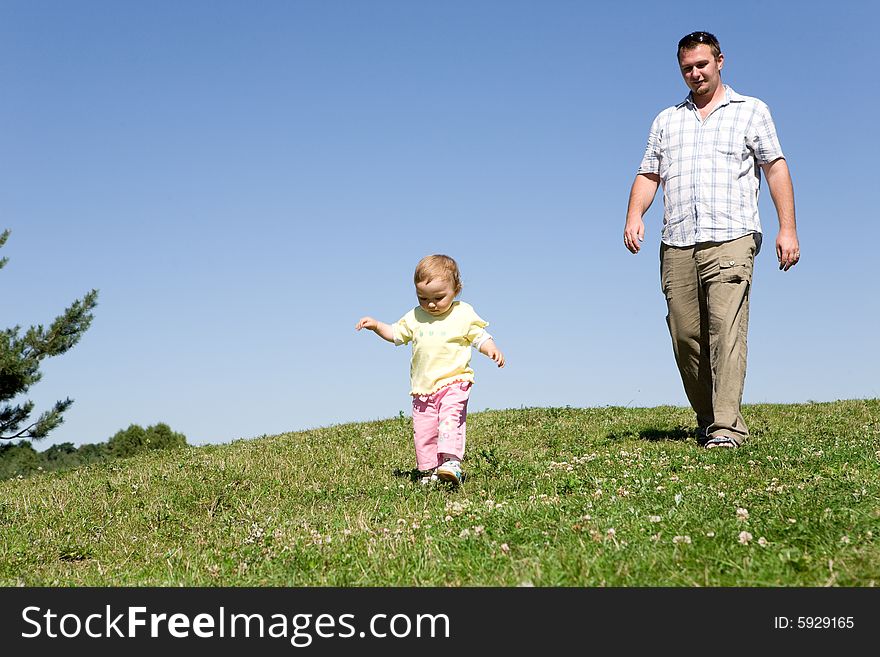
554 497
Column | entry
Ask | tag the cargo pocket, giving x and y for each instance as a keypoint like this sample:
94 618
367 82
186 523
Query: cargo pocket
667 289
734 270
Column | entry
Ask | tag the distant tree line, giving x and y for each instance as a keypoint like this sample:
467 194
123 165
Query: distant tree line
22 459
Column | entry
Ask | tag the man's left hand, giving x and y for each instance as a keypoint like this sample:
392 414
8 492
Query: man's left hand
788 250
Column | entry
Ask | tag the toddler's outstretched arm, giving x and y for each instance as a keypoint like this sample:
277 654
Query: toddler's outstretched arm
381 329
492 351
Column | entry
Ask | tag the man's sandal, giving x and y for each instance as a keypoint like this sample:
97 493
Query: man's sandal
721 441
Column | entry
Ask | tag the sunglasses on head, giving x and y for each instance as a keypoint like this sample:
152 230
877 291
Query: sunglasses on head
698 37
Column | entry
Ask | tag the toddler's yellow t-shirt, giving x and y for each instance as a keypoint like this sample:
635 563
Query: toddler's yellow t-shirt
441 345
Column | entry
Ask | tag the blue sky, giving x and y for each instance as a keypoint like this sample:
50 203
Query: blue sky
243 181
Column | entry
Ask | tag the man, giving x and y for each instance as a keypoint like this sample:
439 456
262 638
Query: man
708 152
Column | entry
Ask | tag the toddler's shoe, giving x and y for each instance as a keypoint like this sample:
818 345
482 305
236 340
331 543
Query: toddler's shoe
429 476
451 471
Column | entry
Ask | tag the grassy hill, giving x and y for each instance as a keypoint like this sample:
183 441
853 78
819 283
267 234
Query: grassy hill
554 497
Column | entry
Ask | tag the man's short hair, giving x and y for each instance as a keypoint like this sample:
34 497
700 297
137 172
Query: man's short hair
694 39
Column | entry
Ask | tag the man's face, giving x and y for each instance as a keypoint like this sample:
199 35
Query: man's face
701 70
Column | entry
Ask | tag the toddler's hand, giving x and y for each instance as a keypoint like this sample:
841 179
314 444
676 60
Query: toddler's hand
367 323
497 356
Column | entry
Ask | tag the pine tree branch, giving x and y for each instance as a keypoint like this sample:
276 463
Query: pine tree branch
11 417
46 422
20 358
3 237
21 434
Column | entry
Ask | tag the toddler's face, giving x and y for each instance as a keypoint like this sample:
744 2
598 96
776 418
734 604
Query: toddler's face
435 296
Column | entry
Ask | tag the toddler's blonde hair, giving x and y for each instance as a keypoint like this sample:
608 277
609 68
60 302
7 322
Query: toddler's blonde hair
438 266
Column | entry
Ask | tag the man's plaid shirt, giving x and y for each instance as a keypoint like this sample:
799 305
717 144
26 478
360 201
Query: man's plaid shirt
710 168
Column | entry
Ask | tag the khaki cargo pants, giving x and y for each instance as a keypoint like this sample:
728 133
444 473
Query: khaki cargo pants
707 294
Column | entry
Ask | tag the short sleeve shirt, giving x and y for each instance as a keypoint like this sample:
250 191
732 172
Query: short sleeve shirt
441 345
709 168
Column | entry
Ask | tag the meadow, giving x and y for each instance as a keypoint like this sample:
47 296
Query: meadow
555 497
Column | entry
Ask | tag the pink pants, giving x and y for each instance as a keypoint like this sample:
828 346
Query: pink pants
439 424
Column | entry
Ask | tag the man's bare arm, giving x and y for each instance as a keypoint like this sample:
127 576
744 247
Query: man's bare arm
788 250
641 196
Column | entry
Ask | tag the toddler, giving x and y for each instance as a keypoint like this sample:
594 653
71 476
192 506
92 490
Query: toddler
442 331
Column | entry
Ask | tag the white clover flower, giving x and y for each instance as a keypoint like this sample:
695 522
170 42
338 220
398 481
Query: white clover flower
654 518
763 542
742 514
681 539
745 537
